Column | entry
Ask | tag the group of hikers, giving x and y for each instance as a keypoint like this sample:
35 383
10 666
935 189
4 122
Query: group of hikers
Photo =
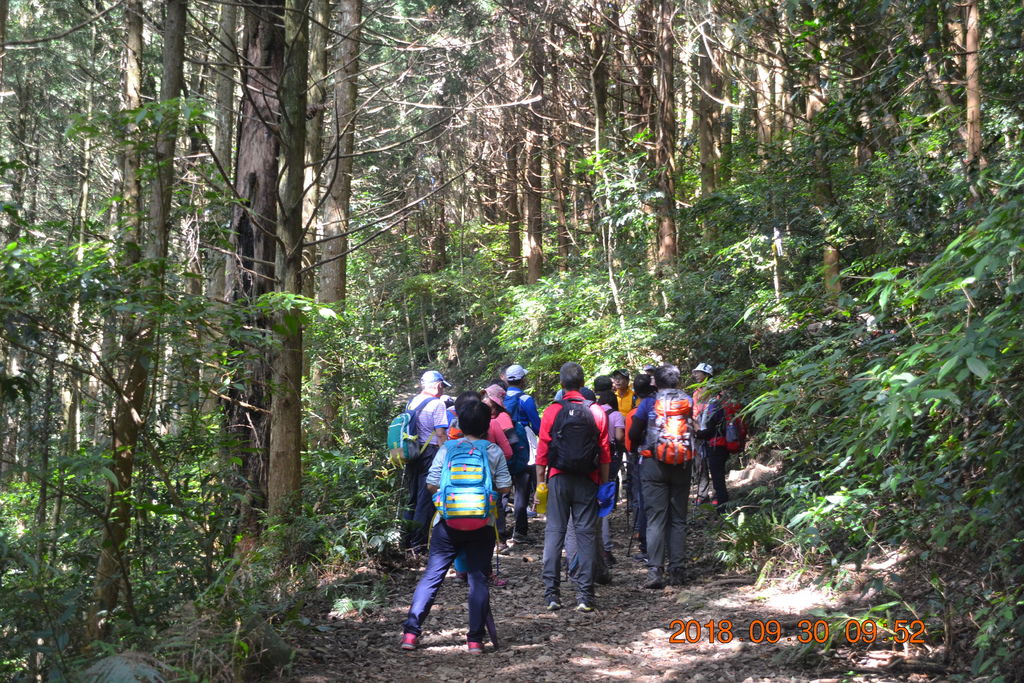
466 458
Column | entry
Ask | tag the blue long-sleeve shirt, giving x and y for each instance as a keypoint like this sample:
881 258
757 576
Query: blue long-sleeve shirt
527 409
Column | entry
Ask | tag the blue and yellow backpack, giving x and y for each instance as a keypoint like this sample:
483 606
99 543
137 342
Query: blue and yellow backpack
466 498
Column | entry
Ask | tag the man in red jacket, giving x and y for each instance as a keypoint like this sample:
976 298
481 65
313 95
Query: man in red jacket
573 458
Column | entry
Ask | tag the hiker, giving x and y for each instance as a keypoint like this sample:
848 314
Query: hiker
502 433
431 433
526 412
587 392
636 431
523 410
606 399
455 432
573 458
448 539
497 433
665 477
624 395
712 454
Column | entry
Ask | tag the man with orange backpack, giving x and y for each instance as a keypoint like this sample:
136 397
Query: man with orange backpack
667 452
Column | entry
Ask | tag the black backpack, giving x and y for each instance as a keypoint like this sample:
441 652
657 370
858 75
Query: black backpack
574 435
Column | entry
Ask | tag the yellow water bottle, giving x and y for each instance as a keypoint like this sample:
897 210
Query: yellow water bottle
542 498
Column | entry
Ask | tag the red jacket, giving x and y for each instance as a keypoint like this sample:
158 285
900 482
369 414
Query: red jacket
548 420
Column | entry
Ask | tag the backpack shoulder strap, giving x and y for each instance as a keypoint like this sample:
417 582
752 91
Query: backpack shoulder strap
516 400
416 417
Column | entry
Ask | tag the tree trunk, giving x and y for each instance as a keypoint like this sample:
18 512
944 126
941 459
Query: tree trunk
645 53
928 40
833 286
224 85
598 82
824 198
223 136
763 101
333 274
557 164
972 73
317 96
139 340
513 214
665 139
534 187
709 122
286 417
253 228
132 100
4 7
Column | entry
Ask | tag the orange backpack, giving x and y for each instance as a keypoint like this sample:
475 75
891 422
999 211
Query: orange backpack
629 423
668 435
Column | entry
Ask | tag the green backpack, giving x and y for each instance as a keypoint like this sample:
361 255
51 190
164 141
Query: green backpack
402 436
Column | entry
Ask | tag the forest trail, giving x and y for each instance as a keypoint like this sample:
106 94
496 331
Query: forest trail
627 638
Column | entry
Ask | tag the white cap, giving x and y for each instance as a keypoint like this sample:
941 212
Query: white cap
705 368
515 372
433 377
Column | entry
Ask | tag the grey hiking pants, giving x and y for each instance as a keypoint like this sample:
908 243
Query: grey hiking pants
573 494
601 574
666 494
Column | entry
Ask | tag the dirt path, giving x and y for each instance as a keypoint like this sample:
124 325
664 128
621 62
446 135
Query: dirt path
628 638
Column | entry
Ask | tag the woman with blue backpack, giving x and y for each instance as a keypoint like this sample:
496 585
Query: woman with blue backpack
466 478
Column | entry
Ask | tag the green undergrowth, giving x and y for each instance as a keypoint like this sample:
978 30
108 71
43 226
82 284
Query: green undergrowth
899 427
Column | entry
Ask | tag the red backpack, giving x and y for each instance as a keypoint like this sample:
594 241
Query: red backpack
735 427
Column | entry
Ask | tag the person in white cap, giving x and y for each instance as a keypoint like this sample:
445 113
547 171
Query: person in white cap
522 409
709 419
431 416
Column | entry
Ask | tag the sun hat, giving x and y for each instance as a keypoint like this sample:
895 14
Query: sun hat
495 393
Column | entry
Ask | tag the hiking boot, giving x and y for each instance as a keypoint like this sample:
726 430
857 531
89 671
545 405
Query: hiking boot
462 576
521 540
640 557
609 559
676 577
554 605
496 581
409 641
474 648
655 578
584 608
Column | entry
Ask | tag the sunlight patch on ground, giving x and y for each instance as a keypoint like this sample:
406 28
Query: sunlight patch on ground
624 674
795 602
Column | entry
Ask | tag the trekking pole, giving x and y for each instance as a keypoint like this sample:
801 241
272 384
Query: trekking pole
629 546
497 555
492 628
629 492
